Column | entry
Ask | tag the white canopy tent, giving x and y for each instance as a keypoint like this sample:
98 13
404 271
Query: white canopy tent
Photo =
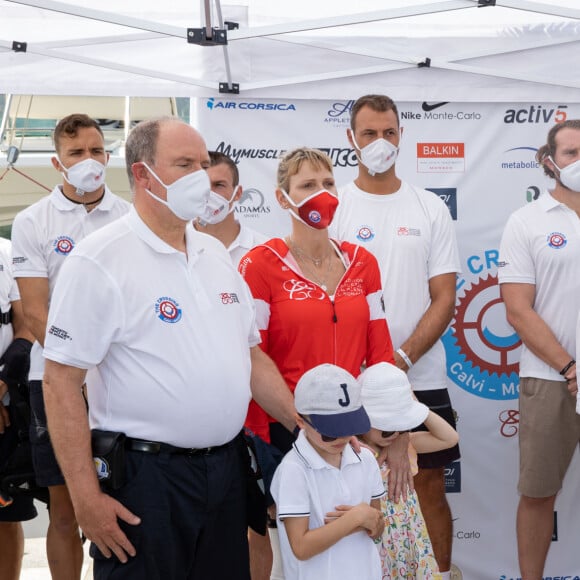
447 50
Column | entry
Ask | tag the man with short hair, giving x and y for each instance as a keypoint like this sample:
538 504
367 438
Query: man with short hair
540 285
219 219
15 343
43 236
410 232
175 346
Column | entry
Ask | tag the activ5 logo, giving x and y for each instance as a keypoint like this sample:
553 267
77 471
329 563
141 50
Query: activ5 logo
482 349
536 114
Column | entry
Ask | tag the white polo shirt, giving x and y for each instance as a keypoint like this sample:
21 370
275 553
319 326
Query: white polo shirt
45 233
246 240
306 485
411 234
169 334
8 294
541 246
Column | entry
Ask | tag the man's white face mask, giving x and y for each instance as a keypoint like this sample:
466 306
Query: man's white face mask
187 196
378 156
87 175
569 175
218 208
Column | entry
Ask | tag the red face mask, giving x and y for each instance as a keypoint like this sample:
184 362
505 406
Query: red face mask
317 210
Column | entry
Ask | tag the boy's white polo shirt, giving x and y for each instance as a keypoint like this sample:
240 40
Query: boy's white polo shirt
169 334
46 232
541 246
412 236
306 485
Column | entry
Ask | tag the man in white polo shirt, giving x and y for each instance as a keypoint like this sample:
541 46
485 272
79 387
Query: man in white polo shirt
219 218
163 315
540 285
43 236
410 232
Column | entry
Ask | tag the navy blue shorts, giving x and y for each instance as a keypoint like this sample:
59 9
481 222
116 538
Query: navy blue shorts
193 517
22 509
46 467
439 402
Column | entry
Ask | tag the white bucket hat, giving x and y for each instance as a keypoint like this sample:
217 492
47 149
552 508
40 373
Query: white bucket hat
386 396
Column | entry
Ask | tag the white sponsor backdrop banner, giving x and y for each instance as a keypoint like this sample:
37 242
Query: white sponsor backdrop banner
479 157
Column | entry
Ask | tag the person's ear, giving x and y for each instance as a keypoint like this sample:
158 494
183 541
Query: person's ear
140 174
281 199
56 164
349 136
238 193
299 420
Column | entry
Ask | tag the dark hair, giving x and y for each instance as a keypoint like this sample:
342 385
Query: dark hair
378 103
217 158
549 149
70 126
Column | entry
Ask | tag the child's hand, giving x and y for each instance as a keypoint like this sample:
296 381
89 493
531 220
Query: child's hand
367 518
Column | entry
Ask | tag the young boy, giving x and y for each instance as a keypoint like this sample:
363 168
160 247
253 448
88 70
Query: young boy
327 495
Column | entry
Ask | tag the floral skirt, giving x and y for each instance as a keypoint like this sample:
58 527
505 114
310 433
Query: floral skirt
405 548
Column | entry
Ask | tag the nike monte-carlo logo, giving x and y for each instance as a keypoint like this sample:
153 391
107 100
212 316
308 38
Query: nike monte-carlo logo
431 107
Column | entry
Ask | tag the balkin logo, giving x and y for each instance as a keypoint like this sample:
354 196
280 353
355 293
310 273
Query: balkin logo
482 348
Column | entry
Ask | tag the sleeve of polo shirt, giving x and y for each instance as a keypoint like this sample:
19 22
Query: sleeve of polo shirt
379 343
253 268
443 253
85 314
515 259
377 487
28 250
290 491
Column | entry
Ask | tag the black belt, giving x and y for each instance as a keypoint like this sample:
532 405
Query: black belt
155 447
6 317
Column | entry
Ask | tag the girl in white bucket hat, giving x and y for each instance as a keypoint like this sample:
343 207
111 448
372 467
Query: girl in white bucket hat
405 548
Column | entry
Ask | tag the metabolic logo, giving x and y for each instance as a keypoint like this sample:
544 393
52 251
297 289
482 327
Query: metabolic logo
482 348
252 203
63 245
167 310
365 234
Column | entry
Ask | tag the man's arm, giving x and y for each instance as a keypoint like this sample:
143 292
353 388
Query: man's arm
34 294
535 333
433 323
96 512
270 390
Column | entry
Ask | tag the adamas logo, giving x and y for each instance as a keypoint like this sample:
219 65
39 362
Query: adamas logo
252 204
482 348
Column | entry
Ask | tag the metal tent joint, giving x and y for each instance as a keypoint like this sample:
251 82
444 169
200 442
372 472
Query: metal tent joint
19 46
230 88
482 3
426 63
216 36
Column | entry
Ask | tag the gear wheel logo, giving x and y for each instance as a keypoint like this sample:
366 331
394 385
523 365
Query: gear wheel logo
482 349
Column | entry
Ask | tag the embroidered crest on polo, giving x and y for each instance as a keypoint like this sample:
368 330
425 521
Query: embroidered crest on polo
167 309
63 245
557 240
365 234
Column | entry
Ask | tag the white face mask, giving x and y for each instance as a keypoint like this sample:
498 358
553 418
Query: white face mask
187 197
87 175
378 156
570 175
218 208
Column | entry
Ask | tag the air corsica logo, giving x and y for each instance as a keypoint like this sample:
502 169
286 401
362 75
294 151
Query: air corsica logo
63 245
167 310
557 240
365 234
212 104
482 348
